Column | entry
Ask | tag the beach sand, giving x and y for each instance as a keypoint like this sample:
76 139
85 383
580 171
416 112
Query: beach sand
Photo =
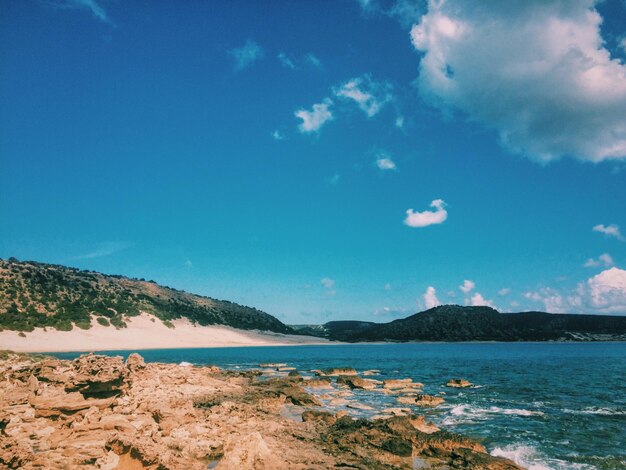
145 332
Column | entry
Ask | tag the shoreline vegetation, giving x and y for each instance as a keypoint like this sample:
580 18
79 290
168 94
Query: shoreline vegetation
101 412
52 308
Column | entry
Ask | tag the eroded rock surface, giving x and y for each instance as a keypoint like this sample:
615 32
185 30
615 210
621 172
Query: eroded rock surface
100 412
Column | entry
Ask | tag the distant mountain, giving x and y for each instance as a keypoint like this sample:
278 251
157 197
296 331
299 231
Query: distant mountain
456 323
46 295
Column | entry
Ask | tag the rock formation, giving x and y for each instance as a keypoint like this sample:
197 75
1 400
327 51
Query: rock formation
99 412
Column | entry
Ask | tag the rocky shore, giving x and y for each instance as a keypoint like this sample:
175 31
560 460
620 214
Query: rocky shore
105 413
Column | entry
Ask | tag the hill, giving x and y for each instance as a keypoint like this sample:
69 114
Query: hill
45 295
457 323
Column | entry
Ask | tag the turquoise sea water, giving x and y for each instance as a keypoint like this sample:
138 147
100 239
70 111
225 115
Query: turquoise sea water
544 405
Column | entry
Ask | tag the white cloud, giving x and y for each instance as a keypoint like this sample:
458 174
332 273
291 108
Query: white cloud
278 135
504 291
327 282
286 61
430 297
388 287
467 286
604 293
622 44
313 120
603 260
536 71
426 218
478 300
609 230
246 55
104 249
188 263
313 60
371 96
400 122
384 162
607 291
334 180
91 5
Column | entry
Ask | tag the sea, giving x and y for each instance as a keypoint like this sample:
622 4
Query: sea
543 405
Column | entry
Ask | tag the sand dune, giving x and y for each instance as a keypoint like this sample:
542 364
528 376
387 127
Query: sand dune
145 332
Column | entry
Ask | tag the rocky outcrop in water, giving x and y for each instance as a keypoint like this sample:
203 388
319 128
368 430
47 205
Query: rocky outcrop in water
102 412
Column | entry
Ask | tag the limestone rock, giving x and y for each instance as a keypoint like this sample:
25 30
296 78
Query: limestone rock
458 383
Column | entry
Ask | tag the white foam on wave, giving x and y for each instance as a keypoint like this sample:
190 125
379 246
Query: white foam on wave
594 410
528 457
465 413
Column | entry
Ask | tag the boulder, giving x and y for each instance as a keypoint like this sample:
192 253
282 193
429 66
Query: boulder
315 415
458 383
135 362
354 381
334 371
97 376
392 384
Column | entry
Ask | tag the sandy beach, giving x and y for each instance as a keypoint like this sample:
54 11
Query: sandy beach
145 332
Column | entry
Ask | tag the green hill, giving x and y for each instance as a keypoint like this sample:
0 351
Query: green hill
44 295
457 323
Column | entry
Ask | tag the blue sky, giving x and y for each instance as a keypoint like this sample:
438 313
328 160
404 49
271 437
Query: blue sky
322 160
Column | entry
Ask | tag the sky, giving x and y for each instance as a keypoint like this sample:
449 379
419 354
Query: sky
322 160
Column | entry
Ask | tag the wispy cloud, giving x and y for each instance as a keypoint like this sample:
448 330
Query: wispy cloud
312 121
91 5
604 259
329 285
610 231
426 218
308 61
286 61
278 135
246 55
370 95
104 249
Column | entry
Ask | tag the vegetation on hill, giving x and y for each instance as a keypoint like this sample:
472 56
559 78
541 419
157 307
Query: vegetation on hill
456 323
44 295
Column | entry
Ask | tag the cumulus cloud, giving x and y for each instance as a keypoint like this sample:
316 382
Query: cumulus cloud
504 291
430 297
312 121
467 286
610 231
535 71
426 218
246 55
477 300
400 122
607 291
604 293
370 95
603 260
384 162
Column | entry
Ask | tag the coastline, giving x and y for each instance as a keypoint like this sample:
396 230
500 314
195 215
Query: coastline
147 332
109 413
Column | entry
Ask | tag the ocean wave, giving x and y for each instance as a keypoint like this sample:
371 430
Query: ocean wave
594 410
472 412
528 457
